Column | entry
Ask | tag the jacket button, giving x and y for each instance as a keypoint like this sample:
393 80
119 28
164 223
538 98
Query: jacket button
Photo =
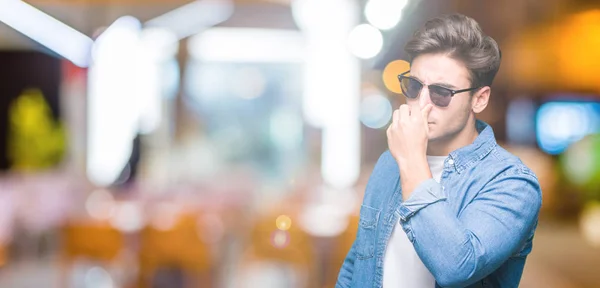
451 161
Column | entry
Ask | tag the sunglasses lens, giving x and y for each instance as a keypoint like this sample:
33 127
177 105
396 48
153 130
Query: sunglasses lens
440 96
410 87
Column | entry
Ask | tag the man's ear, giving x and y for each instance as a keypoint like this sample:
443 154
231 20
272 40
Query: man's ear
481 99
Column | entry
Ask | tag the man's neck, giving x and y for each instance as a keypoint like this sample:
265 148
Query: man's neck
443 147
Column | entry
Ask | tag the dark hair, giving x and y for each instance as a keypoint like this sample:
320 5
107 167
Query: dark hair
461 38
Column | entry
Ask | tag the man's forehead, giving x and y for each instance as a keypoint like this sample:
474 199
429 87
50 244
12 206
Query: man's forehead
440 69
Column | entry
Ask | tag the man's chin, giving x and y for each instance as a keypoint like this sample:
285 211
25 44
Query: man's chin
432 137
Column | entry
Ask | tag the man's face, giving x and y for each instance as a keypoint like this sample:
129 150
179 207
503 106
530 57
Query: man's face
444 122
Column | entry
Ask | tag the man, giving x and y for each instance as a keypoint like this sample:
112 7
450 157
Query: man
445 206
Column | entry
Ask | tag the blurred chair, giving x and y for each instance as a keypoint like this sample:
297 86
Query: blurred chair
97 241
178 247
269 245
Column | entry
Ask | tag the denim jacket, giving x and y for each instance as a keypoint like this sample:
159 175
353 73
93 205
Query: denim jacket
473 229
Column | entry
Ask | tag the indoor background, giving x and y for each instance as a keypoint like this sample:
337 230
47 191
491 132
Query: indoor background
227 143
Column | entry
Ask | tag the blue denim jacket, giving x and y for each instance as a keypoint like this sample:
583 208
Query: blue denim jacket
473 229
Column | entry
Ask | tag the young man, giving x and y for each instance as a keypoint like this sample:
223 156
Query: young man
445 206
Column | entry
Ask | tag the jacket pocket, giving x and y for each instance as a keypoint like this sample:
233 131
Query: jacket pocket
367 232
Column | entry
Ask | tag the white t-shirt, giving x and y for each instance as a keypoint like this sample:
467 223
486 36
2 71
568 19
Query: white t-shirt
402 267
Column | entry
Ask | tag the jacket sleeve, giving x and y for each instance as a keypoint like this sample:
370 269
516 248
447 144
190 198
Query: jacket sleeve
460 250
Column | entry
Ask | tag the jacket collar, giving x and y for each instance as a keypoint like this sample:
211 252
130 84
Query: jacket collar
482 146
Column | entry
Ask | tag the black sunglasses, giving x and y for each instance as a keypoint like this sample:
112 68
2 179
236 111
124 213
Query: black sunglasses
440 96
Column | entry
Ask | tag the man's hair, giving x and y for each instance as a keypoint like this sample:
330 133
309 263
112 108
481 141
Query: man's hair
461 38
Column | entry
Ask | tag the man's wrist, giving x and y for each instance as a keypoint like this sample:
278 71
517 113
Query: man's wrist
412 173
413 163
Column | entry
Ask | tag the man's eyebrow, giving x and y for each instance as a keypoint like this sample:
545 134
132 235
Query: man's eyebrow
445 85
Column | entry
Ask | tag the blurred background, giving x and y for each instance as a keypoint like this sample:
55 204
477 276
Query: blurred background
227 143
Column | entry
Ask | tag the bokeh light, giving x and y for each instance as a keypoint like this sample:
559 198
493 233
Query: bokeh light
165 216
375 111
590 224
100 204
384 14
97 277
128 217
391 72
578 163
581 163
283 222
326 16
365 41
323 219
280 239
559 124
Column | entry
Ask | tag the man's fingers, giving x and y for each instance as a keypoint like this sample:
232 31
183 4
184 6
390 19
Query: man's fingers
396 117
425 112
404 112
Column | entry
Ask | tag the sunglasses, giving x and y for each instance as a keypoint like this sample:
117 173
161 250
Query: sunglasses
440 96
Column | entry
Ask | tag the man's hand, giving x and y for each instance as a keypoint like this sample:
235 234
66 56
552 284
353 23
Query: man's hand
407 141
407 135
